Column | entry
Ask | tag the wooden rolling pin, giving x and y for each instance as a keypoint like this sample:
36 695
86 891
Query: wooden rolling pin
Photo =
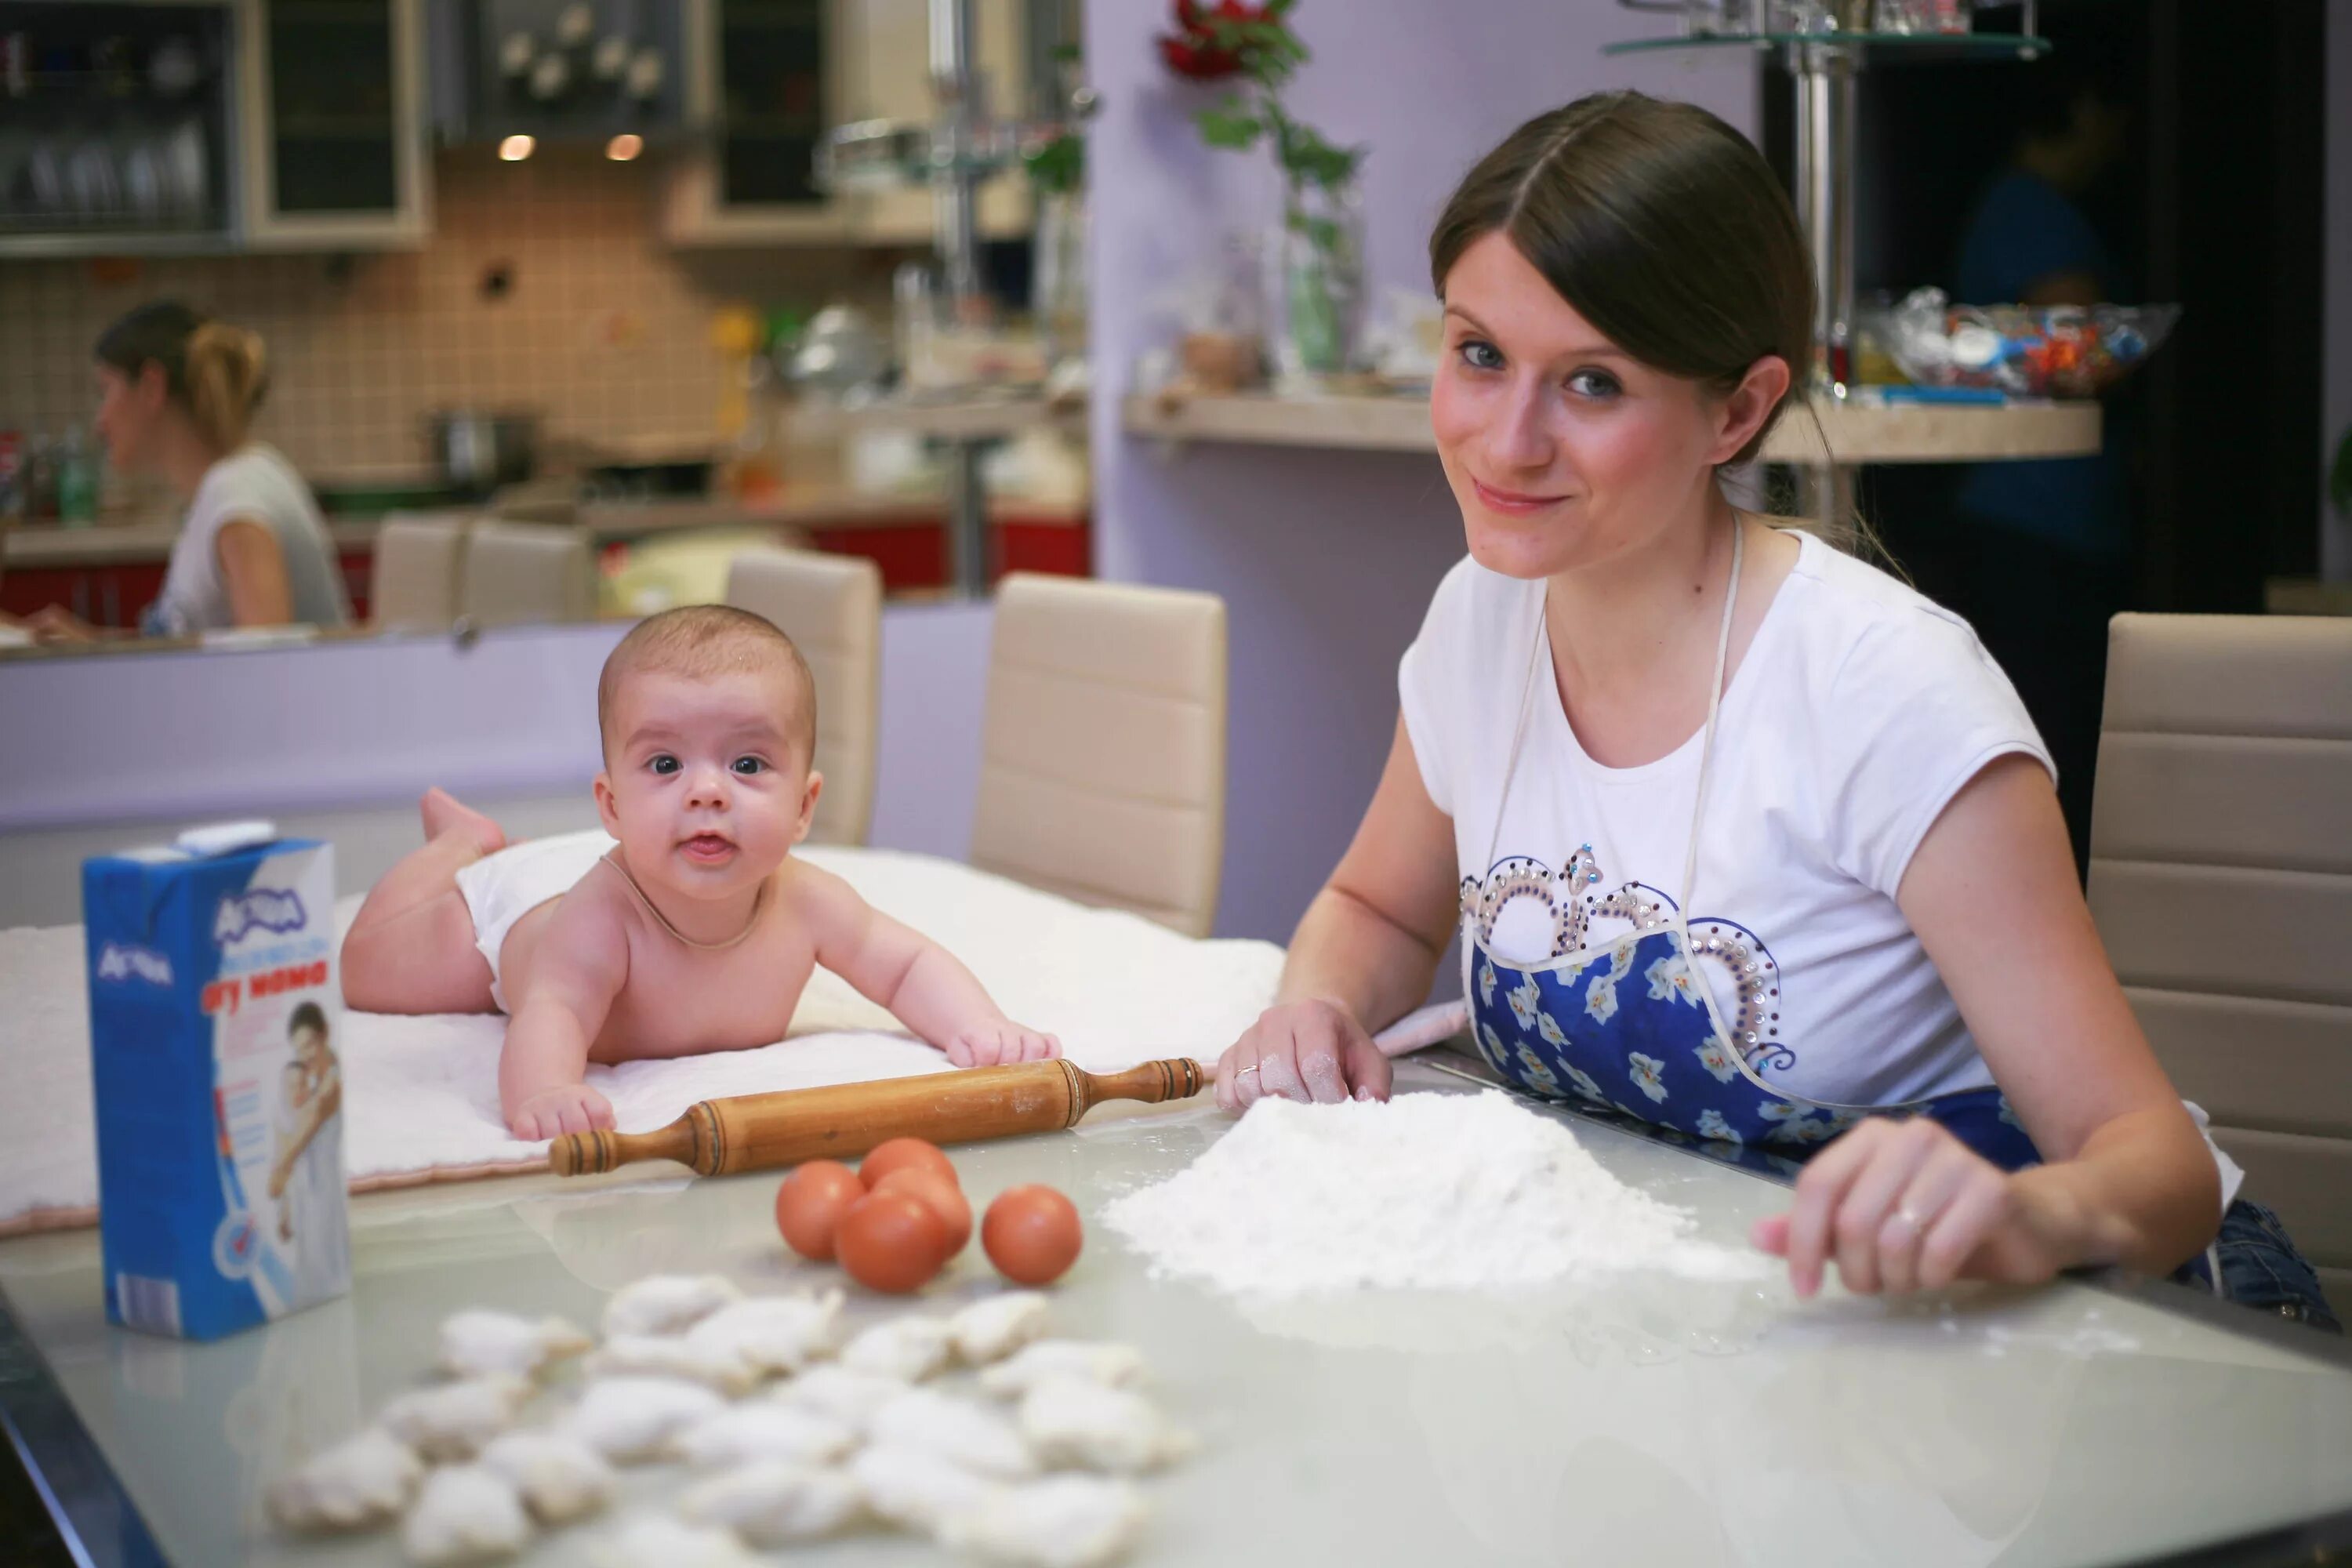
758 1131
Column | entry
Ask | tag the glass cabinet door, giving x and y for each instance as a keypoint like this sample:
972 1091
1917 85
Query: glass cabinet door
334 140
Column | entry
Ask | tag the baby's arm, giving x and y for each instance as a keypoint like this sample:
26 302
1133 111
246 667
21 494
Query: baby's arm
920 981
580 964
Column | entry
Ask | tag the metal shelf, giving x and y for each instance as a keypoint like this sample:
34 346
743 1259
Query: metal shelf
1890 48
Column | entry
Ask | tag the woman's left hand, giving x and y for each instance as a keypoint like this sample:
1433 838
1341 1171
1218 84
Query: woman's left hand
57 624
1903 1206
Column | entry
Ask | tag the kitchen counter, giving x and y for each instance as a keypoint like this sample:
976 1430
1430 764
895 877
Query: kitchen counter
1856 432
39 545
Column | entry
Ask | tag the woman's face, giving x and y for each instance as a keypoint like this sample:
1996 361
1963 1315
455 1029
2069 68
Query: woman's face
309 1046
129 409
1563 451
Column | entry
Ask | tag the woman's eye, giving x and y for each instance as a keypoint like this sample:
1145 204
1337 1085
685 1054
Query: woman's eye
1593 383
664 764
747 766
1480 354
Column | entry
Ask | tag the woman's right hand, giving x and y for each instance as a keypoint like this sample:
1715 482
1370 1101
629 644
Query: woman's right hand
1311 1050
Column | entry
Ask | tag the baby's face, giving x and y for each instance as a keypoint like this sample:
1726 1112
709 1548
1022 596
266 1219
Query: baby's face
703 785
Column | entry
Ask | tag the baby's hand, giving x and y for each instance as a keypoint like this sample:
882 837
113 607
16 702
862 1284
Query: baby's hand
566 1108
998 1041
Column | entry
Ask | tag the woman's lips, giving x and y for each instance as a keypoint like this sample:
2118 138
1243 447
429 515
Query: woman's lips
1511 504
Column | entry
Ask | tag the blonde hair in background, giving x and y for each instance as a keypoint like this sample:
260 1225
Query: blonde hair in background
225 376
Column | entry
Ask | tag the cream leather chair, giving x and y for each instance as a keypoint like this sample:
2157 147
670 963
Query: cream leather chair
419 562
1102 746
2221 881
830 606
520 572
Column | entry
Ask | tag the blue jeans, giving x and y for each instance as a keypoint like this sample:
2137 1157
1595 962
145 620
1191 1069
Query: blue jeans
2262 1268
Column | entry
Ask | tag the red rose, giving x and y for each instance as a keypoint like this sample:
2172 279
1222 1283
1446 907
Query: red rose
1188 51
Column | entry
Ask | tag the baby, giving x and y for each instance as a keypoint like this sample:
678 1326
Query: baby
690 928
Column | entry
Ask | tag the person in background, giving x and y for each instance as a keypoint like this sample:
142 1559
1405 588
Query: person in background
2044 550
177 393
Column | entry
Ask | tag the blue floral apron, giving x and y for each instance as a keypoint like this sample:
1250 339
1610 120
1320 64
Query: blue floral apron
1638 1022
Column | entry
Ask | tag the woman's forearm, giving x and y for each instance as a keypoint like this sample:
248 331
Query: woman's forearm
2143 1192
1348 953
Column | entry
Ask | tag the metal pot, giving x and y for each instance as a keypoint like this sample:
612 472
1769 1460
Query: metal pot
478 451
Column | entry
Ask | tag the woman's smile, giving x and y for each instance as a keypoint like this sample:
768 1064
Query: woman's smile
1512 503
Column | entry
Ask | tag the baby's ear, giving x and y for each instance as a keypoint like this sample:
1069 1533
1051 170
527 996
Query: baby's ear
815 788
606 811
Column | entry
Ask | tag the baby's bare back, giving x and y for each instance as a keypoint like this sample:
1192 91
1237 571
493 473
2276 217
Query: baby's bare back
676 1000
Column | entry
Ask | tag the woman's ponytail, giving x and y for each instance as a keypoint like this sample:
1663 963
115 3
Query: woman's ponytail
227 370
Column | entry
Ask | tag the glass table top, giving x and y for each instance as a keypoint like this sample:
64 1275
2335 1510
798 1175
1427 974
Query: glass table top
1644 1419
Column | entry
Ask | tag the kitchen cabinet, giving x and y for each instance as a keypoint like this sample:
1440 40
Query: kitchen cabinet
333 115
767 79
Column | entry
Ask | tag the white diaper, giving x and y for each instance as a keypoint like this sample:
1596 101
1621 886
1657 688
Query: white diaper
501 888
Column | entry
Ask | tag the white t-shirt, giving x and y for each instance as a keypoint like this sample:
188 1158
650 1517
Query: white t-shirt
1859 712
253 482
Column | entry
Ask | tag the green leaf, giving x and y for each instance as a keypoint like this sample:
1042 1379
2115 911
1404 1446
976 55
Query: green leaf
1067 54
1060 165
1229 126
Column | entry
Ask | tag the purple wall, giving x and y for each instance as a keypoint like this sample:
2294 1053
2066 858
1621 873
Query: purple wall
1327 559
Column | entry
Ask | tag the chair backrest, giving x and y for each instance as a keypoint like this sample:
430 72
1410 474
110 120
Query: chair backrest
1102 770
830 606
419 562
524 572
2221 881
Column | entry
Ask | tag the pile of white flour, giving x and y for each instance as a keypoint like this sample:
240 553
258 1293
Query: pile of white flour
1441 1192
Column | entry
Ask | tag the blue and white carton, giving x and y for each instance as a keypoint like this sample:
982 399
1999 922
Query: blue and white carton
214 1008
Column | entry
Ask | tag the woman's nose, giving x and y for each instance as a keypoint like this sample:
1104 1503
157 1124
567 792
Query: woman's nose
1520 437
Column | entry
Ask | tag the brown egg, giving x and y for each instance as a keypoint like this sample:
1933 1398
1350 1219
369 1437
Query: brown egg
891 1242
905 1154
810 1205
1032 1235
945 1198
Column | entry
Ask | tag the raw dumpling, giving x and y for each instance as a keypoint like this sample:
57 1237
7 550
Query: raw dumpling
560 1477
663 1355
659 1541
771 1333
911 1348
841 1394
360 1482
1117 1365
666 1303
467 1513
1077 1421
452 1421
775 1502
976 1436
994 1328
915 1487
768 1430
1062 1521
628 1419
482 1343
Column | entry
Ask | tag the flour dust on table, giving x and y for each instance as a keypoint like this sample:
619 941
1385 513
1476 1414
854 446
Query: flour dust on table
1432 1192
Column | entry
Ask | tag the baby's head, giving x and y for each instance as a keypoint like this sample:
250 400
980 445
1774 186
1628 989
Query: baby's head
708 719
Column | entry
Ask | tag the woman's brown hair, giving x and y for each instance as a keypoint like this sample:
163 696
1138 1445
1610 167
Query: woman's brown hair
217 373
1661 225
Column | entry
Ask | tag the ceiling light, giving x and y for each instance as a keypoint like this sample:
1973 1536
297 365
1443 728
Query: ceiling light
515 149
624 146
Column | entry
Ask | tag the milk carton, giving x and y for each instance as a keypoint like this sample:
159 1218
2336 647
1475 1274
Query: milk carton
214 1013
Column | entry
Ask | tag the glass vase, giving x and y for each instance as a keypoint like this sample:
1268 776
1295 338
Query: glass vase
1317 293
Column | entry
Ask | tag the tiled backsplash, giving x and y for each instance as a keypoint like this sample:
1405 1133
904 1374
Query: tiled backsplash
604 328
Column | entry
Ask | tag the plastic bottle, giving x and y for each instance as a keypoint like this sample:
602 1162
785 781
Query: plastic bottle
77 479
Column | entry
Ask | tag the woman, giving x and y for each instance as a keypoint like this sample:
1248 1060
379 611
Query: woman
176 397
1745 838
